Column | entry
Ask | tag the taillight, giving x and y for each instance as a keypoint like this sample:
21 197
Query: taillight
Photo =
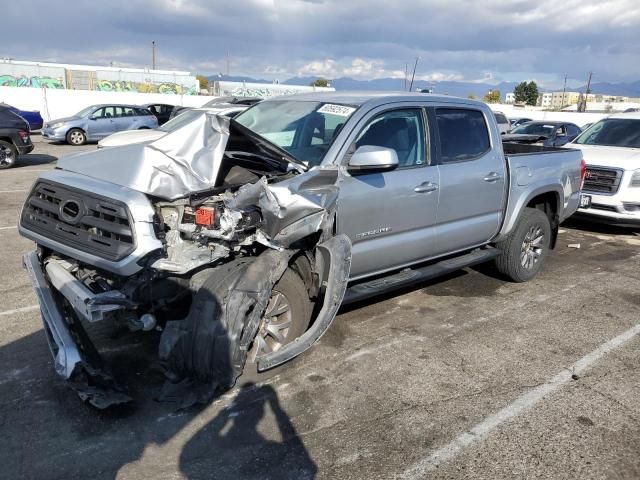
23 135
583 172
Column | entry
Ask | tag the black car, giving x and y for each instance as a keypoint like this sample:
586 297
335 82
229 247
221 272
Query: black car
162 111
550 134
14 138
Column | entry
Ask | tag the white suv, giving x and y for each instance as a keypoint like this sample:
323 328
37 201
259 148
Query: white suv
611 150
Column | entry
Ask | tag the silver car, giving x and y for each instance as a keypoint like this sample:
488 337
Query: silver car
98 121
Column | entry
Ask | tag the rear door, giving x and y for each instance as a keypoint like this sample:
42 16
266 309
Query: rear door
472 178
390 216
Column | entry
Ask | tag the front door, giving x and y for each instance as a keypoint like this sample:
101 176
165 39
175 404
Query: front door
390 216
472 179
101 123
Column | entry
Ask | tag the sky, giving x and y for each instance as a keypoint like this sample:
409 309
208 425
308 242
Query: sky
466 40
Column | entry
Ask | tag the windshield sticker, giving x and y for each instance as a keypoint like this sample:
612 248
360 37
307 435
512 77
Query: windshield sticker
340 110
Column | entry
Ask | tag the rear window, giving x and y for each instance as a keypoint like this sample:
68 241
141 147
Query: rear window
613 132
463 134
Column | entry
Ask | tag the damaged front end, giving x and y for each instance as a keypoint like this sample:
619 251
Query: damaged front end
231 215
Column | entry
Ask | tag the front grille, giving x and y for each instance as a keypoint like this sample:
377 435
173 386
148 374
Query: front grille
79 219
602 180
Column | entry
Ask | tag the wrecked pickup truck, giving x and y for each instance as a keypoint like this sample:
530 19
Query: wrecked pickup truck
236 241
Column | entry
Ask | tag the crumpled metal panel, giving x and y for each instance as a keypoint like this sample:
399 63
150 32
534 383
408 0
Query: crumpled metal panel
184 161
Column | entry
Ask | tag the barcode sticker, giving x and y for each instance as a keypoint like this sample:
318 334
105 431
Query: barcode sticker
340 110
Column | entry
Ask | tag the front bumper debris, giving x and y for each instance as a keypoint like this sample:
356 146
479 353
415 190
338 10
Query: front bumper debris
75 358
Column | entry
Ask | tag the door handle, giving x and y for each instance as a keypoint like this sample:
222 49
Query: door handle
426 187
492 177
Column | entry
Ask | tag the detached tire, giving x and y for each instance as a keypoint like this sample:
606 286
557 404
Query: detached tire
76 137
525 250
8 155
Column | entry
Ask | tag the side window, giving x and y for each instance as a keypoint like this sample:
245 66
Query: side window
400 130
128 112
109 112
463 134
98 113
572 130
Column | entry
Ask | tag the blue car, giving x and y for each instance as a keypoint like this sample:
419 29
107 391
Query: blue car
33 118
98 121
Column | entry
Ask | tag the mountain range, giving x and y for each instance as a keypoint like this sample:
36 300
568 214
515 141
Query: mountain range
457 89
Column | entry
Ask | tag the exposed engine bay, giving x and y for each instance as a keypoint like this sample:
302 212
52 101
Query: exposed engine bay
237 233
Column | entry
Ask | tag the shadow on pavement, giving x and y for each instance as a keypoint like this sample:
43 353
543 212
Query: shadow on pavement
585 225
49 433
34 159
231 445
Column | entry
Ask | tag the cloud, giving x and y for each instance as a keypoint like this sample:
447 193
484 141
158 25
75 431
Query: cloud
467 39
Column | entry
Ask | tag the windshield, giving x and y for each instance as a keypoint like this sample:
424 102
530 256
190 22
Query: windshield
180 120
534 129
304 129
612 132
85 111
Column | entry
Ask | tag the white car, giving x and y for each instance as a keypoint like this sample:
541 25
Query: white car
611 150
504 125
142 136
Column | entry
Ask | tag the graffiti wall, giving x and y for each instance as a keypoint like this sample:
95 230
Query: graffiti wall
84 77
144 87
36 81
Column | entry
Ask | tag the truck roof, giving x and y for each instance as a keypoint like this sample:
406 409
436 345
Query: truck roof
373 97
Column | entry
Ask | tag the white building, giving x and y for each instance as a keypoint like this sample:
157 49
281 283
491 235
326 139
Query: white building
510 98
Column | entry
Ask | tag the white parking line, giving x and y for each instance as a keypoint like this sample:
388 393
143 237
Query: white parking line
520 405
19 310
7 228
14 191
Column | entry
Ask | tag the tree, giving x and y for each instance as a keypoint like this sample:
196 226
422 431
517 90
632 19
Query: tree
204 82
492 96
320 82
526 92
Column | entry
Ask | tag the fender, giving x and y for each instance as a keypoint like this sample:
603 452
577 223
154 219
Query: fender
334 265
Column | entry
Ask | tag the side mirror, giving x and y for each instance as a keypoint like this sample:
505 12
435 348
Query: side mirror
369 158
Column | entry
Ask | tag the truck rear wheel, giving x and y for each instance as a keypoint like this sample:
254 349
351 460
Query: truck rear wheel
525 250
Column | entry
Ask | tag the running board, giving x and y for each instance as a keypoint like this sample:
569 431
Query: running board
410 276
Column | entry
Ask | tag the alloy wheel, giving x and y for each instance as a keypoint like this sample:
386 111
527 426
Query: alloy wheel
532 247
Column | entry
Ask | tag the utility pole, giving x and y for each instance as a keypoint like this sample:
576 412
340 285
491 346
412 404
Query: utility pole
228 62
153 55
564 89
586 93
414 73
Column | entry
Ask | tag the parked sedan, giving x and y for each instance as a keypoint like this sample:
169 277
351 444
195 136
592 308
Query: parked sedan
141 136
98 121
549 134
33 117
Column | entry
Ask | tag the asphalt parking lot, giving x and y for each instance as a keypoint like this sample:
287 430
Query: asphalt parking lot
467 376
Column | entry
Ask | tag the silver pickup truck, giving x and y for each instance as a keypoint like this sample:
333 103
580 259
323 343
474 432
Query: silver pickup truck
236 241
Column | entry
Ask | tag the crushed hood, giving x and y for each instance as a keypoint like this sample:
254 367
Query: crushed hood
182 162
605 156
